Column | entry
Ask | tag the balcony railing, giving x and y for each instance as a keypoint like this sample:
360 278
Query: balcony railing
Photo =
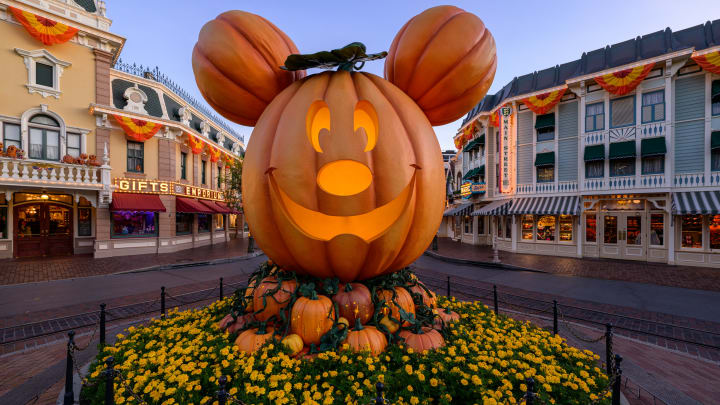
19 171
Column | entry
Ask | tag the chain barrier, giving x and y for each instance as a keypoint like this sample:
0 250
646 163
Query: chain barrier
125 386
96 328
574 333
209 295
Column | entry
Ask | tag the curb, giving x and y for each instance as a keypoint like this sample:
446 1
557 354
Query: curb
249 256
478 263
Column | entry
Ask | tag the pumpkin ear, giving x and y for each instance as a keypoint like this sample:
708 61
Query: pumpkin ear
443 58
236 62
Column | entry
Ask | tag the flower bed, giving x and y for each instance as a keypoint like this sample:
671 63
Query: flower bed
486 359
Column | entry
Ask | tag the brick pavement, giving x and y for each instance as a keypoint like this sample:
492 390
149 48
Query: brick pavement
15 271
698 278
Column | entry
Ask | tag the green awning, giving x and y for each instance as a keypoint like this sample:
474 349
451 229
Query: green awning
653 146
481 171
481 139
594 152
545 121
715 140
620 150
471 145
471 173
545 159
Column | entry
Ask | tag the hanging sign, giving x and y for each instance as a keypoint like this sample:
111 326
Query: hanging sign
507 150
142 186
469 188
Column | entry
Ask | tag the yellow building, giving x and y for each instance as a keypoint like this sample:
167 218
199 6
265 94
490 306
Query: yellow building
99 156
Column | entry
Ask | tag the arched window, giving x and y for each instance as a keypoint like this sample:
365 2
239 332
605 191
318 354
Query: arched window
44 138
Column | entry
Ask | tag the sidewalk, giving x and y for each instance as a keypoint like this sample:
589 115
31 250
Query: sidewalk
16 271
697 278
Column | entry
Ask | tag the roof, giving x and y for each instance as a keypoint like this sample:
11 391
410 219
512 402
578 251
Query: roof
647 46
88 5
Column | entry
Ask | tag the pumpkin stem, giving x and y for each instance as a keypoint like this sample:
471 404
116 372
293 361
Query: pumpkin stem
348 287
358 325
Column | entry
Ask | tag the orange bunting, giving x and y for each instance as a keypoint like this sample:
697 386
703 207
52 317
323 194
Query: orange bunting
44 29
709 61
542 103
195 143
495 119
624 81
459 142
214 153
137 130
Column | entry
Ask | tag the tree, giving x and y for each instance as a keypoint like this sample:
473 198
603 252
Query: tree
232 193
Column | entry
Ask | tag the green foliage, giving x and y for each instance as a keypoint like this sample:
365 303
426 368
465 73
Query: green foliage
233 184
349 57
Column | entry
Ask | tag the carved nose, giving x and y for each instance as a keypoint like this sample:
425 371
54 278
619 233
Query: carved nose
344 177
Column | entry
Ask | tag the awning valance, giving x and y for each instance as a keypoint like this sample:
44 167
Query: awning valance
475 143
191 206
211 206
565 205
498 207
136 202
545 159
696 202
545 121
653 146
594 152
224 208
463 209
624 81
715 140
621 150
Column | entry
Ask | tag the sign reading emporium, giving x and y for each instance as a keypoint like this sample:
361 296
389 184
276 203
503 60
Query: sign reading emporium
507 148
142 186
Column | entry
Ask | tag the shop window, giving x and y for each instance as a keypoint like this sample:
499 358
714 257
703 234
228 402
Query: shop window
653 164
590 228
692 231
622 167
566 228
622 112
610 228
3 218
183 165
715 232
44 138
594 117
219 221
203 171
467 221
546 228
480 225
139 224
232 221
73 144
657 229
44 74
715 97
499 222
183 223
508 227
203 223
715 160
11 136
595 169
545 174
84 221
135 157
653 106
527 223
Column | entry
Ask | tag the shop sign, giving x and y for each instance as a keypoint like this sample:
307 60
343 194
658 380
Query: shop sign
469 188
507 150
143 186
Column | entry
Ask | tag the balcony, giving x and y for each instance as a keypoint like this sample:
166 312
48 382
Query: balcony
547 188
635 182
53 174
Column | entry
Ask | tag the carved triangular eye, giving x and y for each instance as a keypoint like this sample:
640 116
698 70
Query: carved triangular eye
366 117
318 117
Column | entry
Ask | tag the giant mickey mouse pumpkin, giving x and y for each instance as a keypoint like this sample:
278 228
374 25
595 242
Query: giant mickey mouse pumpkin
343 176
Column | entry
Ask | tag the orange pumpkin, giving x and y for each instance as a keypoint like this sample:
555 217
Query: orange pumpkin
444 317
236 62
402 299
294 343
312 317
425 339
363 338
354 302
251 340
445 59
428 297
268 306
343 177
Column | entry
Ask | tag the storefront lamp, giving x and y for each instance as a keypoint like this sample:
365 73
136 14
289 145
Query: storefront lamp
44 197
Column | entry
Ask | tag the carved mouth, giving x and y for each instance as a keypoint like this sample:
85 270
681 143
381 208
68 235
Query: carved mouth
368 226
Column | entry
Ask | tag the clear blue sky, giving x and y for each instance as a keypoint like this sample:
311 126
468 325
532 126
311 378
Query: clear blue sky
529 35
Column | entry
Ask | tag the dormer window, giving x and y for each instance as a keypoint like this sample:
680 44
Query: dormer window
44 71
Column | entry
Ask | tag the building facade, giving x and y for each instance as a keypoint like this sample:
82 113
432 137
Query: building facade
98 156
614 155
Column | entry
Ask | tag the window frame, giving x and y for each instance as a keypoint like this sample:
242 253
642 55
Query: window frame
43 128
132 168
600 163
156 219
634 114
537 174
5 132
634 171
652 113
714 105
203 172
642 164
31 59
67 144
52 74
702 233
715 160
595 116
183 165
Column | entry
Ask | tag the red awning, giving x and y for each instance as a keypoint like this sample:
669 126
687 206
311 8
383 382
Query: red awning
224 208
136 202
211 206
190 205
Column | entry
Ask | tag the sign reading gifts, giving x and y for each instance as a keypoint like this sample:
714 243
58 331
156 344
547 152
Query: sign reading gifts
143 186
507 148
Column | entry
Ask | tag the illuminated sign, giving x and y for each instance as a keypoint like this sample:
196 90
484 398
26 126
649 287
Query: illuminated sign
479 188
143 186
469 188
507 150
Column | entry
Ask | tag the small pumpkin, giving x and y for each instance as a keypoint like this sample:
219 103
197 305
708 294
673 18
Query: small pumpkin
249 299
344 322
447 315
267 306
389 324
251 340
428 297
312 317
354 302
402 298
294 343
362 338
423 339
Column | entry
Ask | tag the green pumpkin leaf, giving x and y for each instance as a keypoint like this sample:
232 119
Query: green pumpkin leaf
345 58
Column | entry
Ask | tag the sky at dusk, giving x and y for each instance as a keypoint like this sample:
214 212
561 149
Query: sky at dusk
529 35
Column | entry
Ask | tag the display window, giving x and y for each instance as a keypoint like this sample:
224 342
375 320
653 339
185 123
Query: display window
546 228
691 231
498 222
3 217
657 229
566 228
590 228
84 221
527 224
183 223
508 227
203 223
232 221
219 221
467 221
134 224
610 228
481 225
715 232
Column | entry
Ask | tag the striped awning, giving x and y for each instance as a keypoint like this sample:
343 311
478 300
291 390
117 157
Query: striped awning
499 207
696 202
565 205
463 209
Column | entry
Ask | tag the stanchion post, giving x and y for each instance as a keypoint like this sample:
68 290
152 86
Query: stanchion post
221 288
530 393
102 324
495 302
379 400
162 301
448 286
618 381
222 394
555 325
69 398
109 381
608 349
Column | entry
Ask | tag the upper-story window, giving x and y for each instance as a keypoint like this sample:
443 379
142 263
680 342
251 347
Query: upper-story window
204 171
11 136
715 151
44 71
622 112
594 117
183 165
44 138
715 100
653 106
135 157
73 144
545 127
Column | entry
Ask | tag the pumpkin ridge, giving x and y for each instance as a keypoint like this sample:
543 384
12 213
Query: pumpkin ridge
468 90
371 159
390 59
297 75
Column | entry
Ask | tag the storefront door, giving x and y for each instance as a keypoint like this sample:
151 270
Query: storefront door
622 236
42 229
